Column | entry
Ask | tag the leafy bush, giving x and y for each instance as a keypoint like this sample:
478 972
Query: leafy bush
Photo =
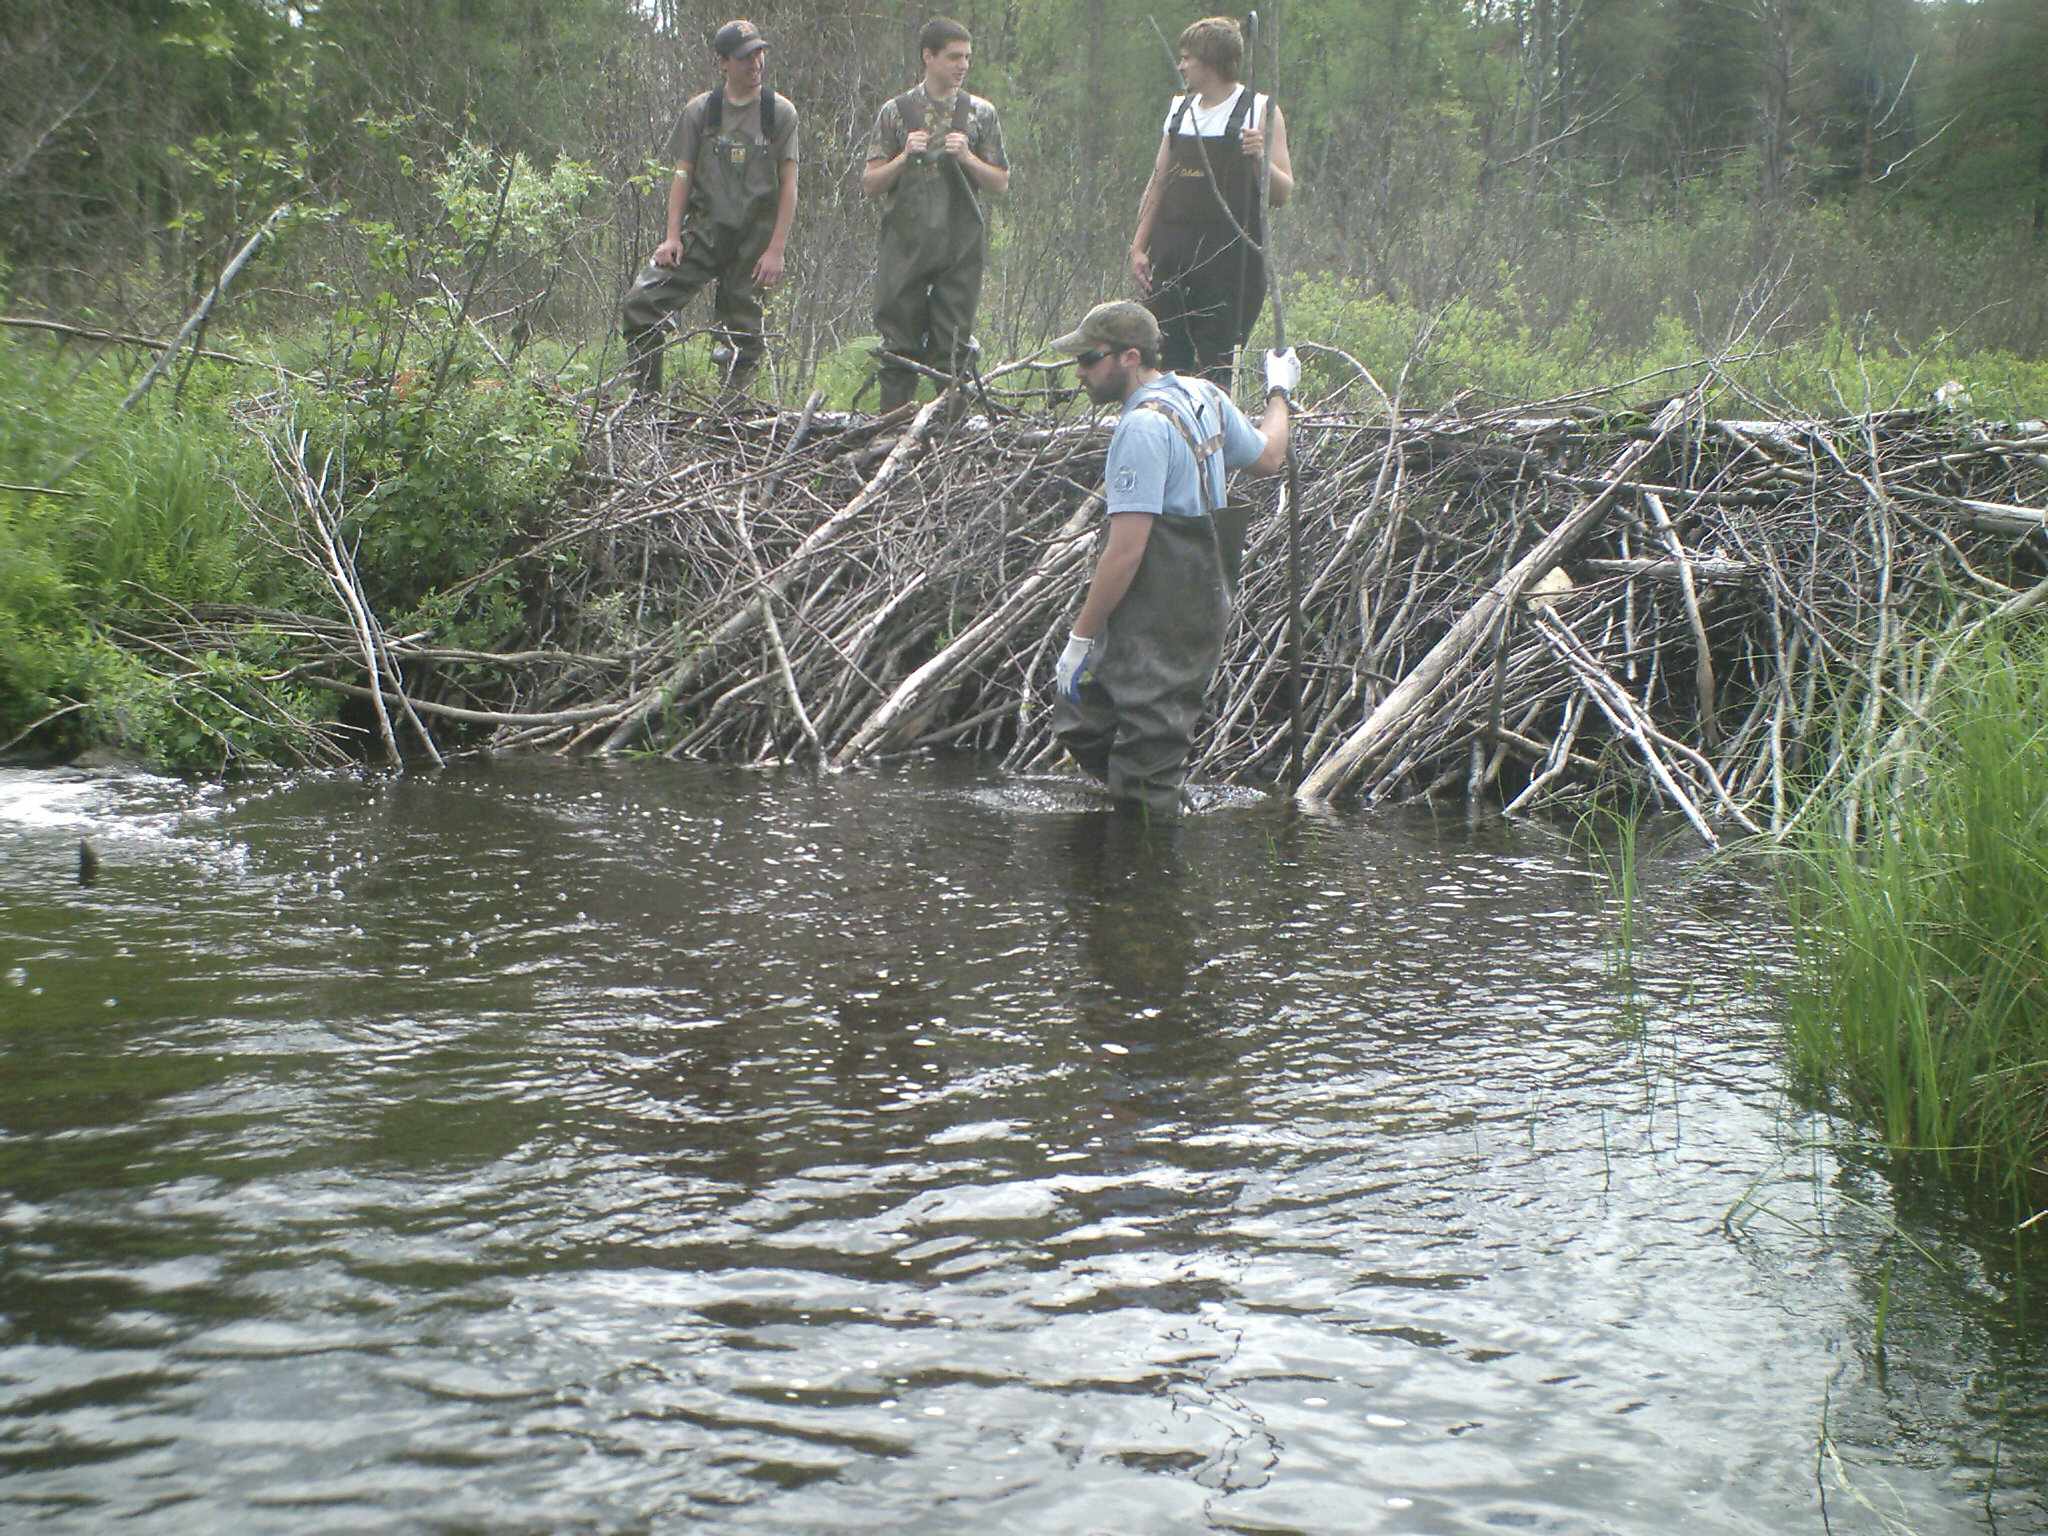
438 483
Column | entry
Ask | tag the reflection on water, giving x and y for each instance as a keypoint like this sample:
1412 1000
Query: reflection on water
636 1147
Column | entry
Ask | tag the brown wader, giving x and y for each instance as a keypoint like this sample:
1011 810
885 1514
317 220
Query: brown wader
1134 722
727 224
1207 284
928 276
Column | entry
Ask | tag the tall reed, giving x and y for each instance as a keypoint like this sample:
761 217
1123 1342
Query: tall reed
1922 933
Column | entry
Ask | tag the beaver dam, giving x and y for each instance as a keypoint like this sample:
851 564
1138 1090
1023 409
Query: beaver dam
1522 606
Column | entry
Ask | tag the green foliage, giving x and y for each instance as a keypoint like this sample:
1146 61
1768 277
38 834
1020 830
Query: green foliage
145 527
215 711
1493 347
538 210
1923 939
437 482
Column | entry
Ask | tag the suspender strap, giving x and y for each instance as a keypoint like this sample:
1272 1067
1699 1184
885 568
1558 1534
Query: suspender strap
1239 111
913 119
1246 100
714 114
1203 449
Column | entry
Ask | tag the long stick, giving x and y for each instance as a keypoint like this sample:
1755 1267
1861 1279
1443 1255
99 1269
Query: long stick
1272 255
193 322
199 316
1244 250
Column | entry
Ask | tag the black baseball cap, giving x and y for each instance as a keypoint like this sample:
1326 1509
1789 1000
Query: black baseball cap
737 39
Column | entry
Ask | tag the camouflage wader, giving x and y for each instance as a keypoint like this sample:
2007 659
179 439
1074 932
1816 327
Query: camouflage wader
928 275
735 182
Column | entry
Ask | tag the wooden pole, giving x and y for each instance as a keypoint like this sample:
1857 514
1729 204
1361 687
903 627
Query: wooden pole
1293 480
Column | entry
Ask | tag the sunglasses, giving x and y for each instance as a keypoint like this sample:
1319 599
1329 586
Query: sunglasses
1090 359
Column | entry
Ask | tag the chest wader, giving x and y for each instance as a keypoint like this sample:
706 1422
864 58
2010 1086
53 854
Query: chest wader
1134 723
735 183
928 272
1207 284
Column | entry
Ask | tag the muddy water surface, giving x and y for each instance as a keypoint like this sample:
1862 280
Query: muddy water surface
642 1148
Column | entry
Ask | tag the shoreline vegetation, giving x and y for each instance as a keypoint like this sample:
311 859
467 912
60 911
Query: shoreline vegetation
1919 907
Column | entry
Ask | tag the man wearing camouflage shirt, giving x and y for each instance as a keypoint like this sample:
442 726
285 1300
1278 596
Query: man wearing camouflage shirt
935 153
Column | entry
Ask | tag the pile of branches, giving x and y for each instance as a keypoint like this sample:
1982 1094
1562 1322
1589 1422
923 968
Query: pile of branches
1524 605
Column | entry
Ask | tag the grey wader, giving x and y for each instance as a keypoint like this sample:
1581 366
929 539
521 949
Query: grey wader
928 275
735 182
1207 284
1134 722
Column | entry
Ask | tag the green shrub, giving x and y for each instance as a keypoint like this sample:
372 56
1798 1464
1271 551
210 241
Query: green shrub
438 482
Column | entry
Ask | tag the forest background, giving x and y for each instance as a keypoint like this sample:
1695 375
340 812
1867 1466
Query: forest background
1548 193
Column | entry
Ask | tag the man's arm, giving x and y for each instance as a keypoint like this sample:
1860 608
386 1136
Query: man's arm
768 270
670 251
879 175
1273 427
991 176
1283 163
883 169
993 179
1114 572
1148 211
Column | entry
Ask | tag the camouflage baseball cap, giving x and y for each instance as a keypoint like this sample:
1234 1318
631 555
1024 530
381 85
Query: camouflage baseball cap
737 39
1119 324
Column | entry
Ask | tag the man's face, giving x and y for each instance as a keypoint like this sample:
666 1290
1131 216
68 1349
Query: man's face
1106 374
744 75
948 67
1194 74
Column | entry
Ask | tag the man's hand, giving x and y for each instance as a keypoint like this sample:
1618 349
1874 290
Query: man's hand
768 270
1254 141
1283 372
915 141
1141 272
670 252
1072 668
956 145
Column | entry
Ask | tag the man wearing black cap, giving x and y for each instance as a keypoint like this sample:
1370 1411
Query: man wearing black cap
729 211
1130 681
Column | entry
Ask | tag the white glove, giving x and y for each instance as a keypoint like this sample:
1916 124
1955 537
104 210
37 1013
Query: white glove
1283 371
1072 667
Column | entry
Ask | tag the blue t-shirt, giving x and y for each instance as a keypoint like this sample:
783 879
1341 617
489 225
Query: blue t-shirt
1150 468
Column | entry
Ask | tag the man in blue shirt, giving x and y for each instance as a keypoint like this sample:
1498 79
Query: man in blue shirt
1130 681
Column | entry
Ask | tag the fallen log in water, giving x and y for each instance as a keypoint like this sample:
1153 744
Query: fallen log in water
1526 605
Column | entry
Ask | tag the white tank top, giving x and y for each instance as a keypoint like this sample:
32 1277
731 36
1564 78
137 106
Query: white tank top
1210 122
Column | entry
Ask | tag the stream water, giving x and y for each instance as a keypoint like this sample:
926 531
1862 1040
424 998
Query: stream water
547 1147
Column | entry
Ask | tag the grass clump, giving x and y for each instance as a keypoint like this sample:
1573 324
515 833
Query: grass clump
99 552
1922 992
